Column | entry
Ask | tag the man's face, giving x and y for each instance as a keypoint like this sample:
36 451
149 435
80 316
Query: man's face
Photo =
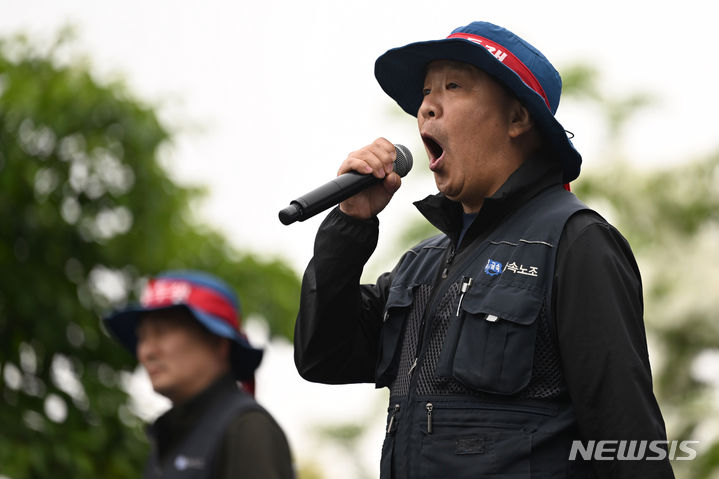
464 121
180 357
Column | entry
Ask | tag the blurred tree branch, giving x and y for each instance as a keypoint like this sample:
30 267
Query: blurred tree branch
88 212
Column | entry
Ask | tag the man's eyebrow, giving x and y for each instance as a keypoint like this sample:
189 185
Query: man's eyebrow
453 65
461 66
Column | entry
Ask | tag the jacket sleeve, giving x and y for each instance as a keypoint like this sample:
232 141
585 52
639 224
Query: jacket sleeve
603 345
338 326
254 447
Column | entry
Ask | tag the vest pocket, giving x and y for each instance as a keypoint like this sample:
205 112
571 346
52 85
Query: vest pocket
490 342
474 450
395 314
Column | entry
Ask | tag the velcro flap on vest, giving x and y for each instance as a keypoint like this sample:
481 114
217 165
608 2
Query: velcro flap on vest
518 305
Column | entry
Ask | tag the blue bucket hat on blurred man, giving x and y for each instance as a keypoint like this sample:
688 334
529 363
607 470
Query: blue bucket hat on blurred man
209 300
516 64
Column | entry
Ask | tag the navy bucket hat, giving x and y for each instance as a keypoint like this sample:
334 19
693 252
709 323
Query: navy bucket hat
208 299
516 64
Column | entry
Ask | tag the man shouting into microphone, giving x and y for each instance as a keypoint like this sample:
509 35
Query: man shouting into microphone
513 339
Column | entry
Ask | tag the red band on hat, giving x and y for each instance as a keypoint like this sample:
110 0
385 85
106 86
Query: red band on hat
508 59
167 292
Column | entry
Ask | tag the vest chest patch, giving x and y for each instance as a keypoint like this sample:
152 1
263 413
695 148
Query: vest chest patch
493 268
184 463
522 269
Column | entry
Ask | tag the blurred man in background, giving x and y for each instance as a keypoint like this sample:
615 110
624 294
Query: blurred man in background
186 334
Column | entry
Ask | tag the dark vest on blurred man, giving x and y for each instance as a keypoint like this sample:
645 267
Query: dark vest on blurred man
186 439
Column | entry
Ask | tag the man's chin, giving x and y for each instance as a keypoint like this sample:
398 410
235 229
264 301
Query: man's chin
160 386
448 193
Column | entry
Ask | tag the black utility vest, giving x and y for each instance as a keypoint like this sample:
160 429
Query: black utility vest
475 381
194 457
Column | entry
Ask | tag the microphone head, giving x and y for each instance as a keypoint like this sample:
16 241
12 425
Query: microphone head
403 162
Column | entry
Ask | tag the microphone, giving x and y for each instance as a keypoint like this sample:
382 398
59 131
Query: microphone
339 189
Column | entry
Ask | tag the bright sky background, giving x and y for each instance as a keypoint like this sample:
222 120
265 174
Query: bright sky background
269 97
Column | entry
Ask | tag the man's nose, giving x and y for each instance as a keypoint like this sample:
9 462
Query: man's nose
145 349
430 108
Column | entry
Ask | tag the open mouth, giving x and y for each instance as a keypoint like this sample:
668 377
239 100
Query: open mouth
434 150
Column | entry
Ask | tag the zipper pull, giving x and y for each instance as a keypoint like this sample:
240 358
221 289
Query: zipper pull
450 258
391 418
429 408
466 284
411 368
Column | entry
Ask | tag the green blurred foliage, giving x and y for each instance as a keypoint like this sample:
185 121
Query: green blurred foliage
87 213
580 83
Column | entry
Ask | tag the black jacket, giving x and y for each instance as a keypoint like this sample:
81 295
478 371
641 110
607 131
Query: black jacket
220 433
596 328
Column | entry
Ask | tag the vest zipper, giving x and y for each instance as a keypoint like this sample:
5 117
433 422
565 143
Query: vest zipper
420 337
391 418
437 296
414 365
429 408
448 262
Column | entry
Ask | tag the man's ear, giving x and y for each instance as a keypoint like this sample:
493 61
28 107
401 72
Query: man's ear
520 121
223 347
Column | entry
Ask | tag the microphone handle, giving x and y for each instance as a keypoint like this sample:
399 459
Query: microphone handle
326 196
